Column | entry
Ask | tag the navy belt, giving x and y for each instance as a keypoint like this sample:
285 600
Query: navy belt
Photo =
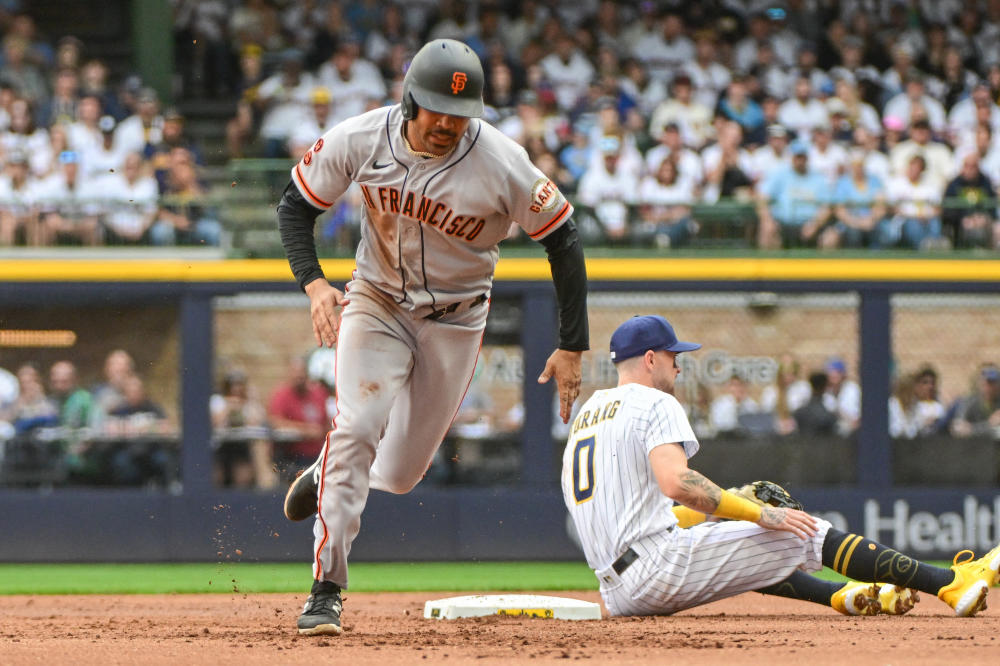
452 307
625 561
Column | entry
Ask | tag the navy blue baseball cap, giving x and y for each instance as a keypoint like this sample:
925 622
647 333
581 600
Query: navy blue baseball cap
640 334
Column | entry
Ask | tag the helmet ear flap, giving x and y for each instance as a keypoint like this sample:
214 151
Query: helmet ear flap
409 106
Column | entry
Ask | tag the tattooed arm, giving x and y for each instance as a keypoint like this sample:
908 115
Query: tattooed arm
692 489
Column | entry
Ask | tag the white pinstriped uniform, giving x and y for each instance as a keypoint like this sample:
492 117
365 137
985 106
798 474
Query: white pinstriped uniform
429 235
615 502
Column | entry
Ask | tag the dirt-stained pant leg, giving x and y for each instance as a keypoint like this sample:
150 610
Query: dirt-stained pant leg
424 410
375 353
400 381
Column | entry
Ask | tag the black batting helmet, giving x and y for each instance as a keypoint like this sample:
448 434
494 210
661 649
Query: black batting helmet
445 76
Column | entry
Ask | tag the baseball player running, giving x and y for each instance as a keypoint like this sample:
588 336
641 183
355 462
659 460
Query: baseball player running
440 190
626 465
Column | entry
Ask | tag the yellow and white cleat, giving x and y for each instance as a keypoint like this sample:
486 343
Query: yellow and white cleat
973 578
896 600
857 599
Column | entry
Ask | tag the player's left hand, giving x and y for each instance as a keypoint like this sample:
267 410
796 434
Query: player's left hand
564 365
797 522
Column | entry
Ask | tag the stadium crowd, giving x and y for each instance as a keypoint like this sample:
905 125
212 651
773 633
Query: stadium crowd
858 123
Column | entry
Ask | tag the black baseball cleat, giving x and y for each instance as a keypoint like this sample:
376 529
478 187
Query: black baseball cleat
321 614
303 495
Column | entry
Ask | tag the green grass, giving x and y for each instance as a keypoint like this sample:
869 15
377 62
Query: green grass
242 577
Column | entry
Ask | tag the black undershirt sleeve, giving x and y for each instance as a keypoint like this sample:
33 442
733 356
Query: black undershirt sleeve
296 221
569 274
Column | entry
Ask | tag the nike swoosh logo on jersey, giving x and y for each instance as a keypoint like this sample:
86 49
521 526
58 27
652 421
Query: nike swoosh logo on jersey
376 165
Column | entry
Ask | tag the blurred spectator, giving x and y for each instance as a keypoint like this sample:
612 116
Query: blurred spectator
915 104
665 206
637 84
825 155
283 98
77 408
351 81
770 157
118 367
726 165
185 218
21 74
737 106
298 405
728 407
243 456
762 31
803 112
859 205
963 118
815 417
914 408
102 158
83 132
60 108
158 154
256 22
67 205
333 28
686 161
693 119
986 150
970 205
876 162
978 412
806 68
567 70
788 392
665 49
204 60
916 201
390 32
25 136
94 81
17 215
857 112
939 161
794 203
956 82
32 408
142 127
708 76
8 393
609 190
313 125
139 432
130 203
842 396
77 413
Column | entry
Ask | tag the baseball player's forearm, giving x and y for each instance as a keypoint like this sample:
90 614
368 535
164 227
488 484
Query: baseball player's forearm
569 274
296 220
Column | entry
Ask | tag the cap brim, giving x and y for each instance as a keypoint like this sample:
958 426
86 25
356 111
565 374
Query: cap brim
679 347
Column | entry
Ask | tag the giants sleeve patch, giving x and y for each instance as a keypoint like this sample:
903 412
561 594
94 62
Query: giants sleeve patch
544 195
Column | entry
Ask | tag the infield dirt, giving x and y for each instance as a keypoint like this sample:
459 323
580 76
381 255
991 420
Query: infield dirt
389 629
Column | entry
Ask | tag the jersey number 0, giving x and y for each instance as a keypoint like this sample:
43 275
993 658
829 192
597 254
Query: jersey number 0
583 469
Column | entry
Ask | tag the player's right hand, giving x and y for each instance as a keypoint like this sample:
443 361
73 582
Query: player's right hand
797 522
325 303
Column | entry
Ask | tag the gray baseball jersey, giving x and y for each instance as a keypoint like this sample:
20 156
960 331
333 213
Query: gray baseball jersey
429 235
431 226
613 498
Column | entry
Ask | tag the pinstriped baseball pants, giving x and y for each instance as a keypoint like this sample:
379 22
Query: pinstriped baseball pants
400 381
684 568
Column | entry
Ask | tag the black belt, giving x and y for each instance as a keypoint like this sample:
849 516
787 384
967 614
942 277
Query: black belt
452 307
625 561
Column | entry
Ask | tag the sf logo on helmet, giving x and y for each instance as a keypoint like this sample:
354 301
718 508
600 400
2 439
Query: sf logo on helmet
457 82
